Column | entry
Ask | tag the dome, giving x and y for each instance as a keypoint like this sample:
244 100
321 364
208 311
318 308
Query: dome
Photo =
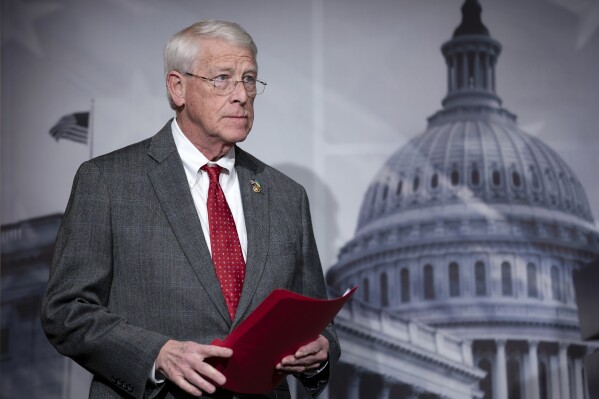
473 229
482 166
474 167
473 223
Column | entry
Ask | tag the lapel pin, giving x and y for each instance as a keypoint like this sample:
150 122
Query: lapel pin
255 186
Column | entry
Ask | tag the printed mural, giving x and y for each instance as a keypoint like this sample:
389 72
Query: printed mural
462 238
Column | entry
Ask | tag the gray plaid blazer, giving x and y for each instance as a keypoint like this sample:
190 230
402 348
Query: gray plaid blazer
132 270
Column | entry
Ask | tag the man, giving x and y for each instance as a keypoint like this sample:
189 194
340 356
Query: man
138 287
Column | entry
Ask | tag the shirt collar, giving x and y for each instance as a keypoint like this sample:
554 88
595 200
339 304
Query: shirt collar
193 159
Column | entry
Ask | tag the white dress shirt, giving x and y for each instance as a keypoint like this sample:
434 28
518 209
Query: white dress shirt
199 182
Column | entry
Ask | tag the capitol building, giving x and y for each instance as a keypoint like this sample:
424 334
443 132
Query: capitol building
464 251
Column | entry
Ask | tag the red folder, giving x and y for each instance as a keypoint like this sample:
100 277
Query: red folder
278 327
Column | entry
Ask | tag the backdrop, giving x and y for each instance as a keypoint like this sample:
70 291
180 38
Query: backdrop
349 83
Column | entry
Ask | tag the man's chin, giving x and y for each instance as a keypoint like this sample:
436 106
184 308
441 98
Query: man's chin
238 137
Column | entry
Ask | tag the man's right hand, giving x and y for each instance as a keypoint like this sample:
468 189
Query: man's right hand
184 364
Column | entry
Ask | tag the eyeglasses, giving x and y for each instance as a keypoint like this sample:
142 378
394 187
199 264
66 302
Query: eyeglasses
224 85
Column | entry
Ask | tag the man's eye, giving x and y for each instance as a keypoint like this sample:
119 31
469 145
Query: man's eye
249 79
221 78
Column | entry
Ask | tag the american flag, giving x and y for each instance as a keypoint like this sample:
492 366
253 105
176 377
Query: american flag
74 127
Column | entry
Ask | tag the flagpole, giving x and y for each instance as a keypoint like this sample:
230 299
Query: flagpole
91 130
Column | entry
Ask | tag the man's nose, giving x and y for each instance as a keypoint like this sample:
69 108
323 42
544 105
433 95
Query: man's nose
239 94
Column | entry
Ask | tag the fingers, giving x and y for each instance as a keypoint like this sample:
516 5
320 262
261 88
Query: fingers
307 358
297 369
184 364
318 345
212 350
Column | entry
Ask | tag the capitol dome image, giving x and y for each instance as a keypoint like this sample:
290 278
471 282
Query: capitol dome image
464 251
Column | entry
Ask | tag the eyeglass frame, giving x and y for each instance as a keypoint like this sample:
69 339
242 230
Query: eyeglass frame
213 81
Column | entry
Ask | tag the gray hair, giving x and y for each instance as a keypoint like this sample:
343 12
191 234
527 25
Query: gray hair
181 50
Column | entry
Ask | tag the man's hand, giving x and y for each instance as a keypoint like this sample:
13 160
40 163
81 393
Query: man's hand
183 364
307 358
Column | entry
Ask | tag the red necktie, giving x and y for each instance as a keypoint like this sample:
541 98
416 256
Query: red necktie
226 250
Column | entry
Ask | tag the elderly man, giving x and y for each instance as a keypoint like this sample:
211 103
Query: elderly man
171 242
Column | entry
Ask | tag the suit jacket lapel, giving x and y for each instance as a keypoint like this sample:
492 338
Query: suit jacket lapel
256 213
170 183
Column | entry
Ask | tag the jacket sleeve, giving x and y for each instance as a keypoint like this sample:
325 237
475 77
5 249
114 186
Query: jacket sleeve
75 308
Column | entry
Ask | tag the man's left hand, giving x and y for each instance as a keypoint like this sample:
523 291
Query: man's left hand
308 358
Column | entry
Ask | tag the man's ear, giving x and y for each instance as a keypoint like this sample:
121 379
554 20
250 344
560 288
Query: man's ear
176 88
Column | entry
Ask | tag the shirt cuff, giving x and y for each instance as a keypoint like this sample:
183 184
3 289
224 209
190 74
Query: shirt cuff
152 376
317 371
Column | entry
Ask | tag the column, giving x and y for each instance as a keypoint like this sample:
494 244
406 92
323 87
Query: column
578 382
501 372
532 388
555 383
564 378
385 389
353 386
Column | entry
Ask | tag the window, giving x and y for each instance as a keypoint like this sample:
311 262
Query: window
550 180
429 282
551 186
454 279
556 284
384 289
460 75
496 177
534 177
365 289
435 181
506 279
385 190
405 285
480 279
471 70
516 179
416 183
565 189
455 178
475 176
373 193
531 278
398 191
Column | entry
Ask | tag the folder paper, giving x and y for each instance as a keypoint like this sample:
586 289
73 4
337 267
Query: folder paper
278 327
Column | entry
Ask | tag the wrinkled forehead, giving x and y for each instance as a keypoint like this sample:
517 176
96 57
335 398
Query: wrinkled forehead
223 54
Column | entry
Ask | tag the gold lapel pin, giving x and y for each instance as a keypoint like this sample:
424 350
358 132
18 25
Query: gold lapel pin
255 186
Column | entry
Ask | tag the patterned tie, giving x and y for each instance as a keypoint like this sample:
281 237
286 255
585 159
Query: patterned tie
226 250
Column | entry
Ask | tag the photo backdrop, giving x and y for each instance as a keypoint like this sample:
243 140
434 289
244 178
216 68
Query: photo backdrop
349 83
